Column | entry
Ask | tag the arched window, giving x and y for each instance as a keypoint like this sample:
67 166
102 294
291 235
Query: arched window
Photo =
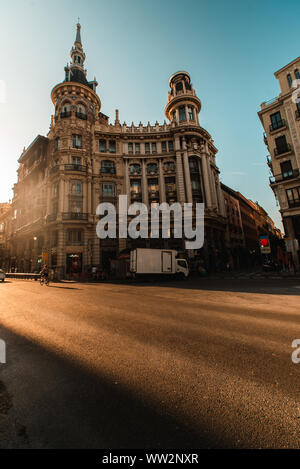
179 86
297 74
152 168
290 80
66 110
135 168
191 113
80 111
169 166
107 167
182 115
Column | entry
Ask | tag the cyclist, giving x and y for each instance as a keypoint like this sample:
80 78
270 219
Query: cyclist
44 273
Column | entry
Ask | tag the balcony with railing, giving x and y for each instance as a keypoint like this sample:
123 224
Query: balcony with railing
81 115
65 114
282 150
74 216
108 170
294 203
136 195
153 194
75 167
269 162
284 176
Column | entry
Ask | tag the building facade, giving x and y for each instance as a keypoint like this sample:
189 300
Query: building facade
85 160
235 241
280 118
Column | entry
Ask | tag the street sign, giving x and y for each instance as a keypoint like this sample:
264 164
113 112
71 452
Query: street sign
264 243
45 257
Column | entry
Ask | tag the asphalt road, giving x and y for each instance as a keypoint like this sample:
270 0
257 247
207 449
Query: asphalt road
197 364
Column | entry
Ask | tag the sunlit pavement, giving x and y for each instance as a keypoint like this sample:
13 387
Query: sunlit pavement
203 363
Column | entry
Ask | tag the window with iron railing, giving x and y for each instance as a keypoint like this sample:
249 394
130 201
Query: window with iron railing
135 168
276 121
108 190
182 114
281 145
152 168
293 197
76 141
286 169
108 167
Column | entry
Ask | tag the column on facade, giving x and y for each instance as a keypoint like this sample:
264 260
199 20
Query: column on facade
85 254
85 197
187 113
96 250
162 189
61 252
179 178
61 196
187 176
206 181
213 185
48 208
221 199
66 195
127 182
144 183
179 171
89 196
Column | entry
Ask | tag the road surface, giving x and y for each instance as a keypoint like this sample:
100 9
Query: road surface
196 364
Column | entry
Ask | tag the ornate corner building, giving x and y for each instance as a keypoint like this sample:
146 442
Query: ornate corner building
85 160
280 118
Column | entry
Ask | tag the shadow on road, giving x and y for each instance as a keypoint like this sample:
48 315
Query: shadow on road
69 406
283 286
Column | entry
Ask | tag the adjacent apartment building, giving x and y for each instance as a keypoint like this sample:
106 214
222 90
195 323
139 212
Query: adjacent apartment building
85 160
280 118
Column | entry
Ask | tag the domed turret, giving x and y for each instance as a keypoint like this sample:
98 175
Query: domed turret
183 105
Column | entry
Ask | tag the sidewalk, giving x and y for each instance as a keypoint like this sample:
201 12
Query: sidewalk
254 275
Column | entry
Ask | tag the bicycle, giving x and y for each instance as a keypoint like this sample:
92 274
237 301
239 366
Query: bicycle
44 281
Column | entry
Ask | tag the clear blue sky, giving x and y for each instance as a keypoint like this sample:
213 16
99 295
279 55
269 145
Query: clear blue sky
230 48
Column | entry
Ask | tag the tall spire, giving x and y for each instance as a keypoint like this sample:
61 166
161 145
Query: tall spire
78 36
75 71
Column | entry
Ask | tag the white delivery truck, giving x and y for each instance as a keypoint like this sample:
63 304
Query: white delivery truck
150 262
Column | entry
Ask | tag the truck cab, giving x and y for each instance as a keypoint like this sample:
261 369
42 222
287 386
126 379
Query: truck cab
182 267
